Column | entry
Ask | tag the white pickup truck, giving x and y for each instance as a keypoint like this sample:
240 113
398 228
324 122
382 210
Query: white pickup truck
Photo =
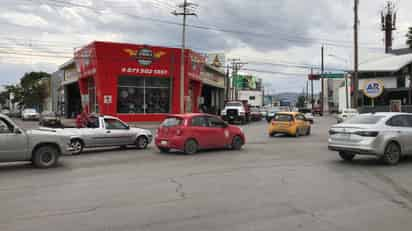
42 147
104 131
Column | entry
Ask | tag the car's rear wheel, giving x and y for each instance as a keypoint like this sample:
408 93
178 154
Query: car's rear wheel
190 147
392 154
237 143
77 146
308 131
142 142
272 134
164 150
297 133
346 156
45 156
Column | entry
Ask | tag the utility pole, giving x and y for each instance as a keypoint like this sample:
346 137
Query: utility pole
322 98
311 86
236 65
356 58
184 13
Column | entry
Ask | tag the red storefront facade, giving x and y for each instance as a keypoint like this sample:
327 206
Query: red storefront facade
137 82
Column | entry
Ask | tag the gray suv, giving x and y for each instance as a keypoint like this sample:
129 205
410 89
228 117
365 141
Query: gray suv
385 135
42 147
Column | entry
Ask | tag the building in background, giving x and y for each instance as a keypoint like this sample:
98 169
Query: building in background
213 89
66 99
137 82
392 73
248 87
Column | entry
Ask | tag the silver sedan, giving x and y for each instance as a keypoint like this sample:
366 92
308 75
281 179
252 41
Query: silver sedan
385 135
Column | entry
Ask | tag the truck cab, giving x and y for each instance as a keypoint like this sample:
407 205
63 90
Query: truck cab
236 111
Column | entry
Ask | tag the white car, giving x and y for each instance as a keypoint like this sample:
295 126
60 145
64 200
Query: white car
347 114
30 114
309 117
106 131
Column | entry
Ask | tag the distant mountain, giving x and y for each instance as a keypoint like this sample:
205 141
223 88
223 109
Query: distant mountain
288 96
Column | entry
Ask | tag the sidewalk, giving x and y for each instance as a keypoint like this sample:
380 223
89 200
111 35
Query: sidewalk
71 123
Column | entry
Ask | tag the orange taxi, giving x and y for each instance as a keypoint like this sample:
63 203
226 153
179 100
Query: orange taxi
290 123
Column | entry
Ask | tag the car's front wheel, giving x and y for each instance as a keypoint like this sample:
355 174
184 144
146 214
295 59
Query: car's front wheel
392 154
237 143
142 142
45 156
346 156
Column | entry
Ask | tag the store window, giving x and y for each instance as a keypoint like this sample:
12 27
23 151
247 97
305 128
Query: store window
141 95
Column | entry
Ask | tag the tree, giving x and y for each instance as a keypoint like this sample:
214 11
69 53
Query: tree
409 38
301 102
34 88
4 96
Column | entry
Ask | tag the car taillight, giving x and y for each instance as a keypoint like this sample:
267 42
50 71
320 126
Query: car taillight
367 133
273 123
179 132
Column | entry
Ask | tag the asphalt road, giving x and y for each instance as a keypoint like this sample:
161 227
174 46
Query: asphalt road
279 183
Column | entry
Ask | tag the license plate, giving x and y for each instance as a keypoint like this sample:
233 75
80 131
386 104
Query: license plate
164 142
343 136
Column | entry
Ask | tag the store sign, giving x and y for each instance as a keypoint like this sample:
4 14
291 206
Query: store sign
107 99
145 71
71 75
212 79
373 88
145 56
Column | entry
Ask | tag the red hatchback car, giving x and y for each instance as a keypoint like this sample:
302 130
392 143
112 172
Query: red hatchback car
193 132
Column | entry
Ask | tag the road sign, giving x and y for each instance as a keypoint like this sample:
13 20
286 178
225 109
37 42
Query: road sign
107 99
333 76
373 88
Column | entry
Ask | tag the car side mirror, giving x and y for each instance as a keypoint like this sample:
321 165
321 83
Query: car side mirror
17 131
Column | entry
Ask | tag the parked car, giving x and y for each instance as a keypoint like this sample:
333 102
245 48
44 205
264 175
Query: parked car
255 114
30 114
347 114
42 147
309 117
48 118
236 111
106 131
192 132
290 123
5 111
385 135
263 112
317 110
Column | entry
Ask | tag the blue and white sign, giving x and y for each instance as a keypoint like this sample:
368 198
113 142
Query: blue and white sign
373 88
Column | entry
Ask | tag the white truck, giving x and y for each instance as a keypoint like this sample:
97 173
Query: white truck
253 97
42 147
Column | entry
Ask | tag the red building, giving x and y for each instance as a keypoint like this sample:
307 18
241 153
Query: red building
137 82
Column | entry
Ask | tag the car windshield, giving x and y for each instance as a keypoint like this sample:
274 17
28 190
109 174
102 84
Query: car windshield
172 122
283 117
29 111
234 104
364 119
49 113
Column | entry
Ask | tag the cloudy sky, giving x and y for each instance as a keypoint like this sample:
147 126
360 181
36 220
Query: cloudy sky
42 34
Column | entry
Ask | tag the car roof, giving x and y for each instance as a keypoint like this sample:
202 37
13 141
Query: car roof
289 113
387 113
189 115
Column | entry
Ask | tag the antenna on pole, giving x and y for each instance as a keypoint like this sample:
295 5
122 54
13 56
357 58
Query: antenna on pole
388 23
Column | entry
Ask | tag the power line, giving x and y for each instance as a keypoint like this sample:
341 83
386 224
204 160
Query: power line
284 37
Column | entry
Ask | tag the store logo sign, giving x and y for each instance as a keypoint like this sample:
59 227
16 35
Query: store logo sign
373 88
145 56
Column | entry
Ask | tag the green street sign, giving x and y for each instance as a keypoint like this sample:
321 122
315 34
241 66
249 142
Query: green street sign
333 76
